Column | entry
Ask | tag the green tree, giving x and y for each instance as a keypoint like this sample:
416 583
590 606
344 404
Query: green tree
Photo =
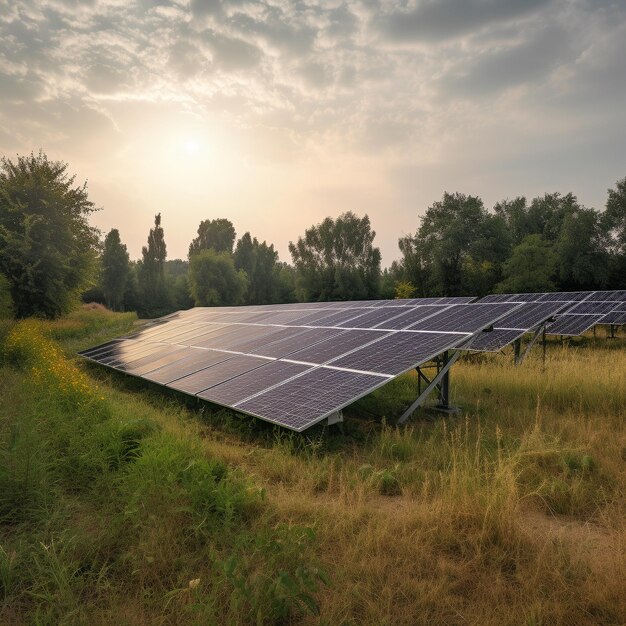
544 216
404 290
531 267
614 225
155 300
258 261
48 251
456 233
336 260
6 302
218 234
285 290
583 260
177 284
214 280
115 270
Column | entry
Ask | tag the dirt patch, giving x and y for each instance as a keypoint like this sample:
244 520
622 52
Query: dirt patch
588 542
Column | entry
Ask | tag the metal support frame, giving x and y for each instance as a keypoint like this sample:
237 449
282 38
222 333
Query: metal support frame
441 381
335 418
540 332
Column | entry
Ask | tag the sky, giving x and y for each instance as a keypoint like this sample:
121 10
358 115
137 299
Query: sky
276 114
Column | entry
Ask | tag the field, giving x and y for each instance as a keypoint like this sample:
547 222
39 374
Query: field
120 503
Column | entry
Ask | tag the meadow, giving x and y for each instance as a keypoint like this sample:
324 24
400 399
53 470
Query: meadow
122 503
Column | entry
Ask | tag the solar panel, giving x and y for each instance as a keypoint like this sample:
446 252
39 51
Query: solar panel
398 352
565 296
591 303
495 340
614 317
307 337
309 398
410 317
572 324
197 359
464 318
529 315
592 308
372 318
216 374
610 296
251 383
336 346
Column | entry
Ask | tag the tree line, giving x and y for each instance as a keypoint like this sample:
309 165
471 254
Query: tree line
51 258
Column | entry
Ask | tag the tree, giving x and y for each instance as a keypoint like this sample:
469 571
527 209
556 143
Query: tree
214 281
115 270
531 267
614 224
48 251
336 260
258 261
6 302
583 260
218 234
151 274
177 284
455 233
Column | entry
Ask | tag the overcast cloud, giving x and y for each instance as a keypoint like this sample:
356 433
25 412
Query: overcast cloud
278 113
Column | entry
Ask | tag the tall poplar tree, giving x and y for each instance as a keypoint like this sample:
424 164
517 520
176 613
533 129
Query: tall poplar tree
152 272
115 270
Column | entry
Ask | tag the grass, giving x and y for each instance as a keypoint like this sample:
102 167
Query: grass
119 503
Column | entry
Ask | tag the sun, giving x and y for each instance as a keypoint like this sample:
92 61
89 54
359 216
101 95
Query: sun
191 146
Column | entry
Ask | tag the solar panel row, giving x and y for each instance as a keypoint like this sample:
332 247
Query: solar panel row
597 307
293 365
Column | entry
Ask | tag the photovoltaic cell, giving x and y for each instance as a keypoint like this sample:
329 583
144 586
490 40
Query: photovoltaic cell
410 317
338 317
198 359
101 348
529 315
336 346
614 317
466 318
609 296
564 296
372 318
144 365
398 352
287 345
495 340
216 374
309 398
572 324
592 308
251 383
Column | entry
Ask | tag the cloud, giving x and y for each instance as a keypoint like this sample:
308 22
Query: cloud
232 53
437 20
494 70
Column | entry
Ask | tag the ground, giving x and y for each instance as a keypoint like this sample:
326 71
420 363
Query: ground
167 511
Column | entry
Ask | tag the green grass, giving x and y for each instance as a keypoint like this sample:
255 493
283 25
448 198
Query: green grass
122 503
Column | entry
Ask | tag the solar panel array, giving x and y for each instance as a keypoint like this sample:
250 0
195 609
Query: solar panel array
296 364
579 311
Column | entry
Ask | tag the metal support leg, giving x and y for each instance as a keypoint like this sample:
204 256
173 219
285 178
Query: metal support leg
517 348
541 331
434 383
335 418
